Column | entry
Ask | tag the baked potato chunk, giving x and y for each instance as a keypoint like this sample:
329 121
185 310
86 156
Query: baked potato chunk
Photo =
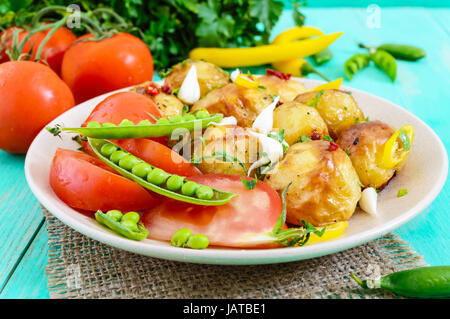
209 75
337 108
227 150
235 100
287 90
297 119
324 187
365 144
168 104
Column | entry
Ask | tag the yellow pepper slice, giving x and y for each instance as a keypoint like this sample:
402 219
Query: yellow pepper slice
264 54
331 231
332 85
296 33
247 80
398 146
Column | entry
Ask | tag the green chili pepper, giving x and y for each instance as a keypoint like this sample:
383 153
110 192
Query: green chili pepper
322 56
307 68
399 51
154 181
355 64
385 62
424 282
163 127
127 225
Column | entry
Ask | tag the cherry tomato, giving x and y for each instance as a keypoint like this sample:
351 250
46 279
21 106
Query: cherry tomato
91 68
85 182
160 156
53 50
31 95
246 221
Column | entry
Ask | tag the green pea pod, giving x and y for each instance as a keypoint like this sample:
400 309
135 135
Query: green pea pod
142 131
355 64
112 224
403 52
385 62
216 197
424 282
323 56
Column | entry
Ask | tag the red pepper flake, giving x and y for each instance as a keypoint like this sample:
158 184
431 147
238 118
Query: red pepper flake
315 136
278 74
280 103
333 146
166 88
152 89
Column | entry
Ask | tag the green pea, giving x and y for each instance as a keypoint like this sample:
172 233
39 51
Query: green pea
202 114
189 117
180 237
145 122
93 124
174 182
107 124
127 162
204 192
126 122
385 62
157 176
115 215
117 156
162 120
107 149
132 216
189 188
198 241
141 169
129 224
175 119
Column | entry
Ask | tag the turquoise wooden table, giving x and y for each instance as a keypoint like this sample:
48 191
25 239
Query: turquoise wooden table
421 87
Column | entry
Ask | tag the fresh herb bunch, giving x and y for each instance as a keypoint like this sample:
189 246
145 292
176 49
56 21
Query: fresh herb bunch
171 28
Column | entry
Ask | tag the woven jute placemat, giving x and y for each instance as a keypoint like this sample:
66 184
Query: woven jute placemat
80 267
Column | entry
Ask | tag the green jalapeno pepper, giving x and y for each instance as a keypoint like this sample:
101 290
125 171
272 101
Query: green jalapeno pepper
385 62
163 127
355 64
128 225
424 282
157 180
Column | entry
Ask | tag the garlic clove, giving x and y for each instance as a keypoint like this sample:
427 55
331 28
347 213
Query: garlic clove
264 121
234 75
230 120
368 200
190 89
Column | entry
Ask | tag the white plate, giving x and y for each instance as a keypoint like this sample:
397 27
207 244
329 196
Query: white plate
424 176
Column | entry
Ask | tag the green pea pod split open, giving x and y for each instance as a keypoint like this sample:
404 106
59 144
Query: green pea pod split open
142 131
112 224
217 197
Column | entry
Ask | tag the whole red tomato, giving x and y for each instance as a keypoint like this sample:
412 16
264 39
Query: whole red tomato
53 50
91 68
31 95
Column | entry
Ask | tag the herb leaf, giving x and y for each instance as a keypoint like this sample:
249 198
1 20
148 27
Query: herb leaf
249 183
315 100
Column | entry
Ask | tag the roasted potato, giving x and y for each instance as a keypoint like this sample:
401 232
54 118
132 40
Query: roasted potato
337 108
168 104
365 144
324 187
234 100
228 150
287 90
297 119
209 75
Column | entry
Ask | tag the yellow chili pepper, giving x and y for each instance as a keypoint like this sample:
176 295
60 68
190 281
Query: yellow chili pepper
296 33
398 146
264 54
293 67
331 231
333 85
247 80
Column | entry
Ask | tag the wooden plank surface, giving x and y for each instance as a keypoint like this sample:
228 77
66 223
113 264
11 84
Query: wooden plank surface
422 88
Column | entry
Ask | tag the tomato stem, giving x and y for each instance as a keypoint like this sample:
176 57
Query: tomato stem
55 27
43 12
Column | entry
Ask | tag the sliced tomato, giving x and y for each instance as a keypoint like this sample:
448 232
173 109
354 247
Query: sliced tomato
246 221
160 156
85 182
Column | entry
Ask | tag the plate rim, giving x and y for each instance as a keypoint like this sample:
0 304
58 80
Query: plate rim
244 256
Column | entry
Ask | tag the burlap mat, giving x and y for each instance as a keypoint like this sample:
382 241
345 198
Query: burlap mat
79 267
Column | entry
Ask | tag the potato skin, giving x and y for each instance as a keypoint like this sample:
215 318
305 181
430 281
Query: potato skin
209 75
337 108
168 104
297 119
324 185
234 100
286 89
365 143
